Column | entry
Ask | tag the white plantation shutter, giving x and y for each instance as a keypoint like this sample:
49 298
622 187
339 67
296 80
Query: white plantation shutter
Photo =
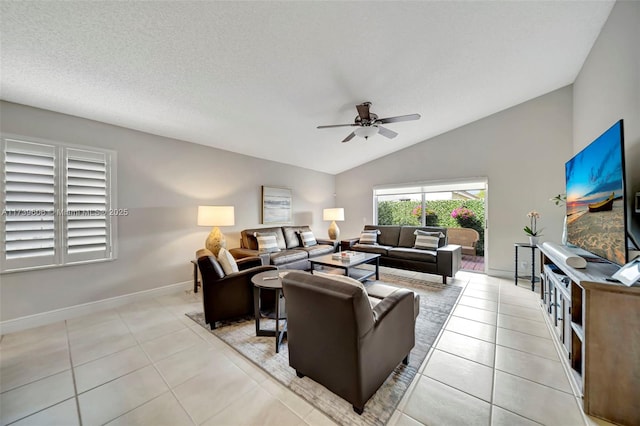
56 203
29 203
87 205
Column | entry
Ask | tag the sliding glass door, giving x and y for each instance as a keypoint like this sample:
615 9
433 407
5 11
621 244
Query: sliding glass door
448 204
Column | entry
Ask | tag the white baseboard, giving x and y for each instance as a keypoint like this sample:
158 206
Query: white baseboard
500 273
44 318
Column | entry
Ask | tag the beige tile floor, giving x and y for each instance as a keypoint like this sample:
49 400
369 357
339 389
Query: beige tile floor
145 363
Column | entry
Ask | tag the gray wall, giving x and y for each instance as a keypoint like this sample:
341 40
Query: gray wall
161 181
521 151
608 89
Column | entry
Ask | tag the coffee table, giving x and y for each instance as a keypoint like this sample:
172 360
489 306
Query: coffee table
269 280
350 266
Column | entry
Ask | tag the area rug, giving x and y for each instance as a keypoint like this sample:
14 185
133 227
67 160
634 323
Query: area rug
436 302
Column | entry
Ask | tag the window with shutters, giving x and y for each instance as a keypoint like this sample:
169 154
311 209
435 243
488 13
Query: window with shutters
57 204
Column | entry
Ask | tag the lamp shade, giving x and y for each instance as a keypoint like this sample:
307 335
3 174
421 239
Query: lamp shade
333 214
216 216
366 131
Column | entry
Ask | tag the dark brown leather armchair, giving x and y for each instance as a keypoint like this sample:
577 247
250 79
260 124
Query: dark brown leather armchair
337 339
227 296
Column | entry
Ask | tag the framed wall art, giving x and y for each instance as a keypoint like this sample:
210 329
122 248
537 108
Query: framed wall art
276 205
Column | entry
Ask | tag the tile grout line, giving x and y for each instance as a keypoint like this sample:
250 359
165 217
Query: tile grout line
467 285
508 347
494 368
153 364
473 337
224 408
495 371
37 411
75 391
462 391
72 371
495 356
491 403
269 377
515 375
575 391
285 403
432 349
73 374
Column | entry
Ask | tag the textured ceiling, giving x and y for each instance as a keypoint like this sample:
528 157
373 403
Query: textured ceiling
258 77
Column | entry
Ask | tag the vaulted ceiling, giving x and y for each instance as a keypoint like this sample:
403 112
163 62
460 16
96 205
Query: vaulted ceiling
256 78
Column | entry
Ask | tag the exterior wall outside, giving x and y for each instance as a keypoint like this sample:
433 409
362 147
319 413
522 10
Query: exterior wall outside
161 181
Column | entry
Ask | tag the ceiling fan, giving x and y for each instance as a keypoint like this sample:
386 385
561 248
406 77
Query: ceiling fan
368 123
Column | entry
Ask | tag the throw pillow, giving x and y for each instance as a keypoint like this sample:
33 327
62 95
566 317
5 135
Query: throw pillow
267 242
427 240
307 239
369 236
227 261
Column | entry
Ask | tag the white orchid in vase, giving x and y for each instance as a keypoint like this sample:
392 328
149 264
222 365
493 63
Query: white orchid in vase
561 200
532 229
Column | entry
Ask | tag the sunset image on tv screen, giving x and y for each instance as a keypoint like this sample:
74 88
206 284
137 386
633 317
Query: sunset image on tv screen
595 197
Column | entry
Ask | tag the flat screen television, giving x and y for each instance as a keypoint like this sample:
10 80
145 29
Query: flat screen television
596 208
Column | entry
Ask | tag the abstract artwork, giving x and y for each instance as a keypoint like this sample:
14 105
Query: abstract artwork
276 205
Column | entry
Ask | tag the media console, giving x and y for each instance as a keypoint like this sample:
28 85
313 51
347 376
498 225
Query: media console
597 323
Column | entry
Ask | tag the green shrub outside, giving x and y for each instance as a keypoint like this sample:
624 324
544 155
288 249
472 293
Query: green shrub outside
400 213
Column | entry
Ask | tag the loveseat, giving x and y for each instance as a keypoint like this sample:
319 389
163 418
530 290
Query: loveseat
290 253
396 246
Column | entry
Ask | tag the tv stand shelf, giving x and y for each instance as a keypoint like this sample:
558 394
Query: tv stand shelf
597 323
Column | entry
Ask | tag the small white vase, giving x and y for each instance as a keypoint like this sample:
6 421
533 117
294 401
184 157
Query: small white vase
564 232
533 240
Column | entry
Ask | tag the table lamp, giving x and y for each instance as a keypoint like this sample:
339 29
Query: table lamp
216 216
333 215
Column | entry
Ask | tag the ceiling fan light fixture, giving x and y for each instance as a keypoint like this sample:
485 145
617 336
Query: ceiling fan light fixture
366 131
368 124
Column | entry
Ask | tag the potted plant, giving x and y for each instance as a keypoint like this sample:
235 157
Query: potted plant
532 230
431 218
464 216
561 200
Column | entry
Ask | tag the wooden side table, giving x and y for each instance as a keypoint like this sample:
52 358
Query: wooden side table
195 275
347 243
533 264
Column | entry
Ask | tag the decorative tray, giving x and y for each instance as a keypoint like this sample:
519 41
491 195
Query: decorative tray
347 255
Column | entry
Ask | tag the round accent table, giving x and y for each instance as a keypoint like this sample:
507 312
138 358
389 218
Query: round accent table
272 281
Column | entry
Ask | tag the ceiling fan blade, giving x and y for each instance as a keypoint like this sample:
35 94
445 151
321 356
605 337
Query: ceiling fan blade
363 111
337 125
348 138
398 118
386 132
